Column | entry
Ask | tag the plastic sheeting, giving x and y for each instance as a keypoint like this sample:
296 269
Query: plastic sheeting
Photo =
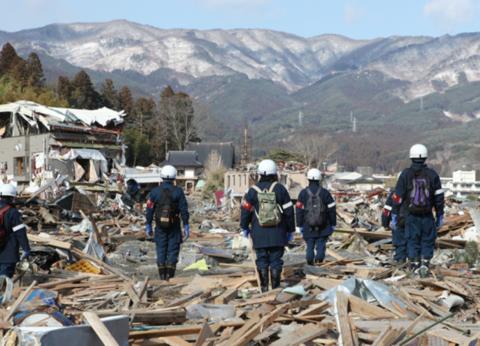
368 290
86 154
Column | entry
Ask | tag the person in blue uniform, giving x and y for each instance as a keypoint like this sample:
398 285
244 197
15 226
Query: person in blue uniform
316 217
271 227
13 233
399 238
419 191
167 206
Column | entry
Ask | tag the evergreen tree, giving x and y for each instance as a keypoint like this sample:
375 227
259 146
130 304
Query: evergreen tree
125 101
144 111
109 94
19 72
177 116
36 78
64 88
84 94
8 58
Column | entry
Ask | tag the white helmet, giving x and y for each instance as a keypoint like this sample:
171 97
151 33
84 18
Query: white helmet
8 190
168 172
314 174
418 151
267 167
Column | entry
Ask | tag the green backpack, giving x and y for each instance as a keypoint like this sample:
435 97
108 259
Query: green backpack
269 213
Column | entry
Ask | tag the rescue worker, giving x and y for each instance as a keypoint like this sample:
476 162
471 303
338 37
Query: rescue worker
13 233
267 216
133 195
399 238
316 217
166 205
419 191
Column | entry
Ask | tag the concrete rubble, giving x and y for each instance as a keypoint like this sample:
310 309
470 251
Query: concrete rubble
92 266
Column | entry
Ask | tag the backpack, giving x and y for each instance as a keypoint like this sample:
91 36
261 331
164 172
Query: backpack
269 212
420 198
3 230
165 210
316 210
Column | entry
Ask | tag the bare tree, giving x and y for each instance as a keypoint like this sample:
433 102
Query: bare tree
314 149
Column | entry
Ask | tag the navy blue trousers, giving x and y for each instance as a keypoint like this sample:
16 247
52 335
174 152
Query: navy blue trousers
168 246
270 257
7 269
399 240
421 235
316 248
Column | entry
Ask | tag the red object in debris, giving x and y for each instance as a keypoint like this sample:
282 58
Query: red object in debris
219 197
299 205
150 204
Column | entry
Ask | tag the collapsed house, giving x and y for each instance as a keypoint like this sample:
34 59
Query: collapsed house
38 141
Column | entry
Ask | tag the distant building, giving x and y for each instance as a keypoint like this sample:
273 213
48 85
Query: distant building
366 183
225 150
188 167
464 183
79 143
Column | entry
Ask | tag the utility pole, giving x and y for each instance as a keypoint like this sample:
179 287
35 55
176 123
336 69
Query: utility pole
354 125
300 119
245 157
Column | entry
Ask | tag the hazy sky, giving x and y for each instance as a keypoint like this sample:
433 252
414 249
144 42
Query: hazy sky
354 18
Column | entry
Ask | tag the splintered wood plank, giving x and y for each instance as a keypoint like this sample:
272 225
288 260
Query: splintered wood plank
204 334
100 329
343 322
19 301
267 320
313 310
302 335
362 308
172 341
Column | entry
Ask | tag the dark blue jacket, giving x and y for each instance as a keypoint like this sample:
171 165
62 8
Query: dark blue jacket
405 185
178 199
264 237
329 202
17 236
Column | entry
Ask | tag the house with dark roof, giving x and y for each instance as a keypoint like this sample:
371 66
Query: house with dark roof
188 167
225 150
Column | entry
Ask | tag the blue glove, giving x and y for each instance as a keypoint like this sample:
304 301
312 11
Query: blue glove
245 233
394 222
186 230
148 230
290 236
439 222
25 255
300 230
333 228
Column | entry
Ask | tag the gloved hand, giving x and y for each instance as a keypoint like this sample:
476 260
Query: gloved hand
439 222
186 231
290 236
148 231
25 256
333 228
394 222
245 233
299 230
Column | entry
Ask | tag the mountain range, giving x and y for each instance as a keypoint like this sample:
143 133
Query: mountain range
398 89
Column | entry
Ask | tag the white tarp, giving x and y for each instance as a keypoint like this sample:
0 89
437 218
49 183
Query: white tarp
31 111
87 154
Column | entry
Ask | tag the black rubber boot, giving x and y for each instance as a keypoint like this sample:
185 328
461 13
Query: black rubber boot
162 272
318 262
414 265
424 269
170 272
310 263
275 276
263 273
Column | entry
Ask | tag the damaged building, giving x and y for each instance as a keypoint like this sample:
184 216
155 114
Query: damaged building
37 140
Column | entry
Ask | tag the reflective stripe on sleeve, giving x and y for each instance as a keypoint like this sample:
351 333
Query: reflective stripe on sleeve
439 192
19 227
387 207
287 205
331 205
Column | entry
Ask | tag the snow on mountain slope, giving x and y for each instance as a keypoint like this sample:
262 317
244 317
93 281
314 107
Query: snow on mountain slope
428 64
